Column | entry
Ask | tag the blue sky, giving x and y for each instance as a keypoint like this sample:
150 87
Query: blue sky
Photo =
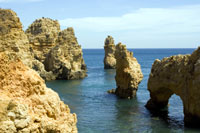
136 23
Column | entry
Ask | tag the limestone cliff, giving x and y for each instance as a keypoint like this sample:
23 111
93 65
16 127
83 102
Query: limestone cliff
178 75
42 35
109 48
128 72
12 37
65 60
27 105
14 40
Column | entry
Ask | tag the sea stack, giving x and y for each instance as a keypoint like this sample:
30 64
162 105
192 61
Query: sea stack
42 35
109 48
178 75
65 60
26 104
14 40
128 72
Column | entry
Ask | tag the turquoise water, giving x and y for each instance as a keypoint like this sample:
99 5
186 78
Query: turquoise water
99 111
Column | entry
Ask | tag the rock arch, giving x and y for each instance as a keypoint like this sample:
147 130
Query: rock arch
178 75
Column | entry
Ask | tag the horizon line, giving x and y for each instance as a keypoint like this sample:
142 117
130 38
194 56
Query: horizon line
146 48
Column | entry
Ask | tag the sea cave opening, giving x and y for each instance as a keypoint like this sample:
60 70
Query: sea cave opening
175 111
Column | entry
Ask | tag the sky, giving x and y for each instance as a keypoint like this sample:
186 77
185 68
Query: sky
136 23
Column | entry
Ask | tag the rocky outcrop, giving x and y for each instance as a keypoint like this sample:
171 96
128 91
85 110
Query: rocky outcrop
109 48
14 40
58 50
128 72
12 37
27 105
65 60
42 35
178 75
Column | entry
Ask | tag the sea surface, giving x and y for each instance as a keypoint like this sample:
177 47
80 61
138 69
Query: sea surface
100 112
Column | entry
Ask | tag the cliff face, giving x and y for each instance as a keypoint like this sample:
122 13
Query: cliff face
14 40
178 75
128 72
109 59
65 60
12 37
59 50
26 104
42 35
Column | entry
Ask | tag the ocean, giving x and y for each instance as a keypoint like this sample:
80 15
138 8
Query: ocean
100 112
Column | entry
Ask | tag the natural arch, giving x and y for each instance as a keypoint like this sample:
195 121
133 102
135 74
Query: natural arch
178 75
175 110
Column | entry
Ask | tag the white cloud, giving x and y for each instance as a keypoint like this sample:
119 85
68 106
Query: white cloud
183 19
16 1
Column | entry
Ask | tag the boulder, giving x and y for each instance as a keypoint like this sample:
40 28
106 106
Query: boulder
65 60
109 48
42 35
128 72
14 40
178 75
26 104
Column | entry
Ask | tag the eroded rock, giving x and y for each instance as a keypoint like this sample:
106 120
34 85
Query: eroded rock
178 75
26 104
65 60
14 40
109 59
42 35
128 72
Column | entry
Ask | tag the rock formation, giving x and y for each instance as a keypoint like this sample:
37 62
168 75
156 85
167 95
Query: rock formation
26 104
178 75
42 35
109 59
12 37
14 40
58 50
65 60
128 72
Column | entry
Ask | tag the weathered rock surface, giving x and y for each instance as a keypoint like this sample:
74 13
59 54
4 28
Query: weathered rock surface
178 75
58 50
128 72
14 40
109 59
27 105
65 60
12 37
42 35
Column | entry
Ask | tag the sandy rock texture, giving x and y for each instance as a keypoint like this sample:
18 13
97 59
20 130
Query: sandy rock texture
26 104
42 35
14 40
12 37
128 72
109 59
65 60
178 75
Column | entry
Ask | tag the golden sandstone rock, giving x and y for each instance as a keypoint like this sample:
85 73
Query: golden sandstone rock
65 60
128 72
109 59
26 104
58 50
12 37
44 38
14 40
178 75
42 35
